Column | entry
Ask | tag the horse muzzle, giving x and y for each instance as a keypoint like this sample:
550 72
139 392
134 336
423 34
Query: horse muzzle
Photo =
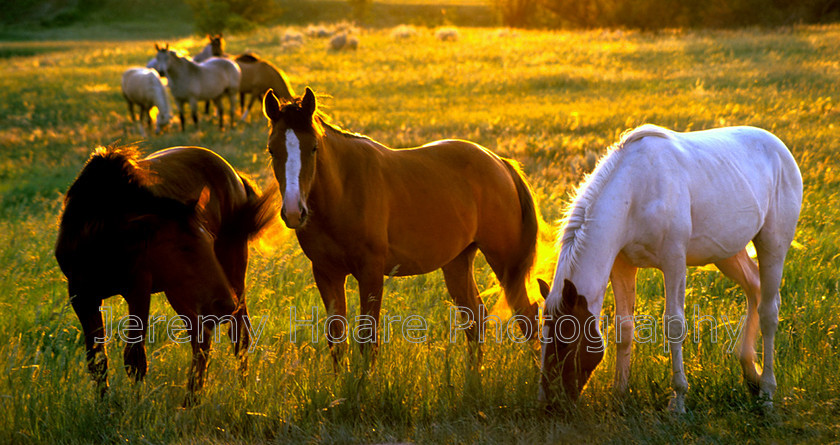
294 218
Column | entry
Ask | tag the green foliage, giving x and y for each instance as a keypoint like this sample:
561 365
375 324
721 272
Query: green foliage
551 100
218 16
659 14
515 13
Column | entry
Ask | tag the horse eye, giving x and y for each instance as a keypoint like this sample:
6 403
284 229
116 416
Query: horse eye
314 148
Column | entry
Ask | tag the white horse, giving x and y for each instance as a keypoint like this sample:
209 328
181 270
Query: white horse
192 82
143 87
664 199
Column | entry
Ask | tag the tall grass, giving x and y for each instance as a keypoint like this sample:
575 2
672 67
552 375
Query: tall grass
551 100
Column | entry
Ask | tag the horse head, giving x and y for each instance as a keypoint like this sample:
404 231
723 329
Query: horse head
161 58
572 347
293 142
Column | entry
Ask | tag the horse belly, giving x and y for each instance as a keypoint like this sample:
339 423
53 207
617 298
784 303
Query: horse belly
722 226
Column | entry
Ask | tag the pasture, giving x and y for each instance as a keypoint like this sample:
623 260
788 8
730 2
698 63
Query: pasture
554 101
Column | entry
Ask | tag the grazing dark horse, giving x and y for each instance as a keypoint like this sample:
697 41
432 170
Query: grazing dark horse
177 221
364 209
259 76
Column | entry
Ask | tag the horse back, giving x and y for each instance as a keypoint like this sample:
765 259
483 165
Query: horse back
183 173
718 187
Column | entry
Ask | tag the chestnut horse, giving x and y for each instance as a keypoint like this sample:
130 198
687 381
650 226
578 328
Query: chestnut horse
177 221
666 200
364 209
259 76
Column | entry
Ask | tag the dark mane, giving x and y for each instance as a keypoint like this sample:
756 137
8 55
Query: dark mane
112 186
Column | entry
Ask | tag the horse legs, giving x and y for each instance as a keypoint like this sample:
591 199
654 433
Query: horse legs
181 115
675 329
134 354
232 104
194 111
460 281
371 280
93 327
200 341
331 287
742 270
221 112
233 257
623 279
771 246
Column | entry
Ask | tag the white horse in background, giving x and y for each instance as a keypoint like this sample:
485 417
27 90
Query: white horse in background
664 199
191 82
143 87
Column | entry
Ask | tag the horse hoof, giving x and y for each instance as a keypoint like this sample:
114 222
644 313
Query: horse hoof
676 405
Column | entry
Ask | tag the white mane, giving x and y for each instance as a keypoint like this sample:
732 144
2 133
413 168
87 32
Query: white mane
573 230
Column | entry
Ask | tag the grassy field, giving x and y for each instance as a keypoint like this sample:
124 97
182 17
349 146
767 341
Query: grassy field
551 100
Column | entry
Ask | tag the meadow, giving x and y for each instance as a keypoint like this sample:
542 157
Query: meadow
552 100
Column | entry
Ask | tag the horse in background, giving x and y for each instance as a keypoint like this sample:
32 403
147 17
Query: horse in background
360 208
259 76
191 82
213 49
143 87
664 199
177 221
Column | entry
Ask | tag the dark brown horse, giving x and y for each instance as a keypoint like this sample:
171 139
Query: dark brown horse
177 221
361 208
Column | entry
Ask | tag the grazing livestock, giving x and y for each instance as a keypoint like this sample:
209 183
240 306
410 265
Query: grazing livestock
177 221
142 87
664 199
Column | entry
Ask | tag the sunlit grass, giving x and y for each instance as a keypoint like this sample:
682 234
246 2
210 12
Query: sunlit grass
553 101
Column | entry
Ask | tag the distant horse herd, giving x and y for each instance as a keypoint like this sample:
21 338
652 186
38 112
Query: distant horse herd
179 221
208 77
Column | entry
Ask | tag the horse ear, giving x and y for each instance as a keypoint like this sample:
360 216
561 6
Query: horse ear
166 48
271 106
544 288
203 199
308 103
157 47
570 294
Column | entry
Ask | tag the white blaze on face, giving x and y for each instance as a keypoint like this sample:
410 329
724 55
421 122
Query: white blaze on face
291 197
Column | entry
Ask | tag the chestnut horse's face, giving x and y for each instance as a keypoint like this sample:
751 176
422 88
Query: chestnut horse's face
572 348
293 144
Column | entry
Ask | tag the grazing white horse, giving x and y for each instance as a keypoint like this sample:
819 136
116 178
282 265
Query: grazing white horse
664 199
191 82
142 87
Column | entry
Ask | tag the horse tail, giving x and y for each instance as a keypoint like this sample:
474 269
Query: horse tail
517 274
258 211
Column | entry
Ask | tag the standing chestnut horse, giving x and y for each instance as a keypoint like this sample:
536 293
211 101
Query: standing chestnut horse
177 221
364 209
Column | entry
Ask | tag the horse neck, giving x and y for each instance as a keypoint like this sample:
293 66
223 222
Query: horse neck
162 102
594 235
339 159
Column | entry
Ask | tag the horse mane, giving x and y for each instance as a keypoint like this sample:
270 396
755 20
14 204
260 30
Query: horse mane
573 230
112 185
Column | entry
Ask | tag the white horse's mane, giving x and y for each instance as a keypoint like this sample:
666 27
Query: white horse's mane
573 230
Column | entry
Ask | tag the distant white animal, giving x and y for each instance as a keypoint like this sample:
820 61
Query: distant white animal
191 82
143 87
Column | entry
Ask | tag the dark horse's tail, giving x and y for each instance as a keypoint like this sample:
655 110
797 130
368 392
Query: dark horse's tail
258 211
514 278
